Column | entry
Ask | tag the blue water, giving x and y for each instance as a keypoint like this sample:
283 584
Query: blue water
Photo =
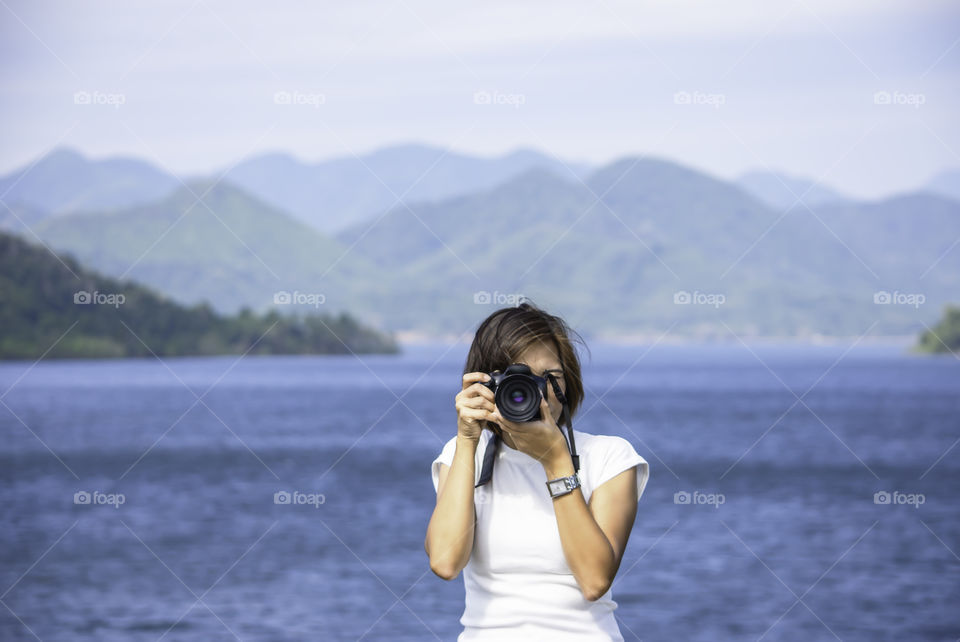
200 551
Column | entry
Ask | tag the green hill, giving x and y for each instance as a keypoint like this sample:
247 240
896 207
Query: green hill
52 307
230 249
943 337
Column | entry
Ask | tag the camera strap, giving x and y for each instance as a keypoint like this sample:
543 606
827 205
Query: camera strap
567 419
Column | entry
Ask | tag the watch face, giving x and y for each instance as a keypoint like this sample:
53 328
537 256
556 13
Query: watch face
563 485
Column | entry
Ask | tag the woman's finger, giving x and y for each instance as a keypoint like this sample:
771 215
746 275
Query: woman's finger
473 377
545 413
475 413
482 390
497 417
475 389
477 402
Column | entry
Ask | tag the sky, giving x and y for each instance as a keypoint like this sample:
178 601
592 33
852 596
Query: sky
860 95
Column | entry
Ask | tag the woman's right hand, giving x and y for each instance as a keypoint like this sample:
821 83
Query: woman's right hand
475 403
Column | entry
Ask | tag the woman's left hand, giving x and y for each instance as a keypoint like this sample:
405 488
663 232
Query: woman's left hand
541 439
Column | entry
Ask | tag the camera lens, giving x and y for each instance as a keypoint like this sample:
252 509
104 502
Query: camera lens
518 398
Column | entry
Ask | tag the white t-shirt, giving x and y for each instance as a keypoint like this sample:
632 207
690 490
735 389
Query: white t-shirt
517 581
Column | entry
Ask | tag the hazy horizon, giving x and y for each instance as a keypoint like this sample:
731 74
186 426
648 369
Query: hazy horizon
749 86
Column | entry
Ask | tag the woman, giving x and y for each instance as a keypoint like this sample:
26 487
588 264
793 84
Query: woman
538 560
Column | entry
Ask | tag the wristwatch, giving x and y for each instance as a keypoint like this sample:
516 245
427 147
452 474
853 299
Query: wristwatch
563 485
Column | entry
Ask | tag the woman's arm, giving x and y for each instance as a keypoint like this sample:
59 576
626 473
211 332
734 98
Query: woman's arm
449 539
594 537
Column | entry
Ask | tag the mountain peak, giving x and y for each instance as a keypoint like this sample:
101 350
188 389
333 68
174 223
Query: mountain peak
538 176
651 172
63 155
781 190
527 154
946 183
406 152
64 180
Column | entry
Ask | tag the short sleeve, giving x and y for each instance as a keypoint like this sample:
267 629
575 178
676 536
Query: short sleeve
445 457
618 456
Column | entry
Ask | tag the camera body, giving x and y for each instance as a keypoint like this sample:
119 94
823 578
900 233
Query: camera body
517 392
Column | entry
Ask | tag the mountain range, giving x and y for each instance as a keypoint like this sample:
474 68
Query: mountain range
614 249
327 195
331 195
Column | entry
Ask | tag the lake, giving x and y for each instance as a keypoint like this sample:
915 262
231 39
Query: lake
796 492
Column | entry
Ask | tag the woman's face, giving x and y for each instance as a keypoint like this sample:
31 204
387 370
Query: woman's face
543 360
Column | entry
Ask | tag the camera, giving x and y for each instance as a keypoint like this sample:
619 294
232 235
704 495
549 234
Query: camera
517 392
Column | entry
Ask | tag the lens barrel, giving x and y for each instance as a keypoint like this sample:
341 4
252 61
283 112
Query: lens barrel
517 393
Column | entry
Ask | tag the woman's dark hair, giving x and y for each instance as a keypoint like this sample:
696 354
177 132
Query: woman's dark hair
507 333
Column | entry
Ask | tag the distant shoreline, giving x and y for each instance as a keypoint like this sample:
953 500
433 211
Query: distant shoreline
414 338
